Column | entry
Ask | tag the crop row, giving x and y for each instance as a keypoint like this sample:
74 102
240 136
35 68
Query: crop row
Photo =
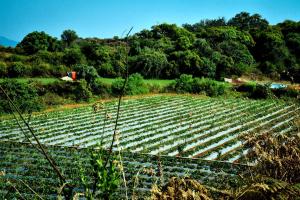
174 126
23 163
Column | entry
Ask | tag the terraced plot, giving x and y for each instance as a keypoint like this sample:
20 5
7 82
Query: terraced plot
166 125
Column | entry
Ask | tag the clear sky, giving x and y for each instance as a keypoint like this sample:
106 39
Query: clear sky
108 18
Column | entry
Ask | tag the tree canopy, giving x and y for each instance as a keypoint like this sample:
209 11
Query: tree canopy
213 48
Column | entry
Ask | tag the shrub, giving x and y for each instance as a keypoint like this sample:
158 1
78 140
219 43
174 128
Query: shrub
59 70
186 83
155 87
3 69
286 92
73 56
106 69
100 88
78 91
24 95
82 91
38 86
89 73
247 87
18 69
135 85
117 85
210 87
40 70
53 58
52 99
261 92
15 58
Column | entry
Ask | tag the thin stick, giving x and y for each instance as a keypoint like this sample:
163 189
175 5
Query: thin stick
19 125
122 169
18 192
119 104
43 151
31 189
103 129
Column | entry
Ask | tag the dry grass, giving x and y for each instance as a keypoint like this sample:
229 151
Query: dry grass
180 188
277 156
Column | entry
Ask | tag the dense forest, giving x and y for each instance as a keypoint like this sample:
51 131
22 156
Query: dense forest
214 48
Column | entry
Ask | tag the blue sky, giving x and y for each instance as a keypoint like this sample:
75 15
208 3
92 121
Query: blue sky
108 18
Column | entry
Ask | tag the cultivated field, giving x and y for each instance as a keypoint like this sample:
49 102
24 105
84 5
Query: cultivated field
166 125
22 163
178 128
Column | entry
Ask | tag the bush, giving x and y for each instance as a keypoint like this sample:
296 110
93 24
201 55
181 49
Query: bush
24 95
135 85
106 70
16 58
78 91
247 87
3 69
155 87
100 88
261 92
89 73
59 70
18 69
286 92
82 91
52 99
255 91
41 70
53 58
73 56
186 83
210 87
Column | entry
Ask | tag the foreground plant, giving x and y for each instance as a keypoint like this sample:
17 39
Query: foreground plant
105 178
181 188
276 156
266 188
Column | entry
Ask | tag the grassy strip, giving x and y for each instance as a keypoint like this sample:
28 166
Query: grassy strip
42 80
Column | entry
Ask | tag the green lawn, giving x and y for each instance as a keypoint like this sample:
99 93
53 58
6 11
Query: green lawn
105 80
42 80
149 81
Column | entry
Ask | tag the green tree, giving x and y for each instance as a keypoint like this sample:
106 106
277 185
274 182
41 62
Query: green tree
203 48
188 62
216 35
245 21
3 69
24 95
293 43
208 68
270 47
289 26
36 41
18 69
73 56
241 56
224 65
68 37
89 73
183 37
150 63
134 86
